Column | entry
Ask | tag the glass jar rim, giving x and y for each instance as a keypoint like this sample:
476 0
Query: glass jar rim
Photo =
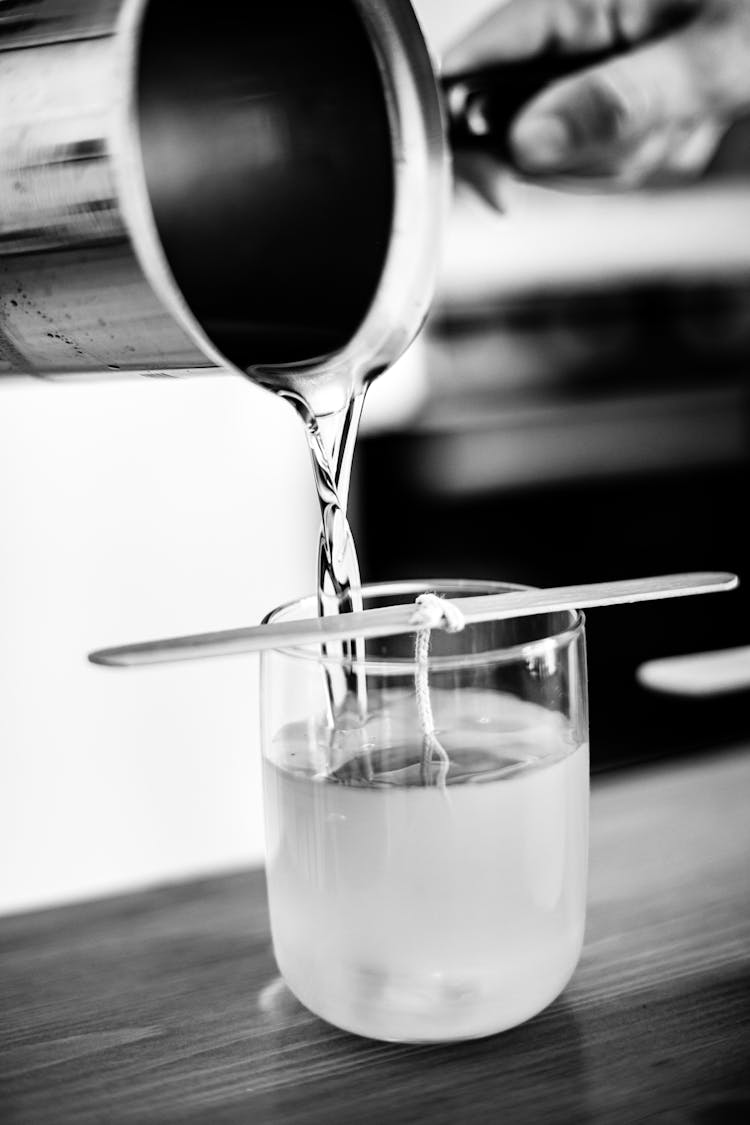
390 665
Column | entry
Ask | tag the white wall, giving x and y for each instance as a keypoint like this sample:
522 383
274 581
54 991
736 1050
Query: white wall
132 510
129 511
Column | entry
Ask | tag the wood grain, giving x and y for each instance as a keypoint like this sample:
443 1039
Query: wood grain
165 1006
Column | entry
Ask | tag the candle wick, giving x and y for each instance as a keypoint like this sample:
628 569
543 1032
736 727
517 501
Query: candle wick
432 612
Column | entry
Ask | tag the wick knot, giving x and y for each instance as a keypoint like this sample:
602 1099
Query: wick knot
433 612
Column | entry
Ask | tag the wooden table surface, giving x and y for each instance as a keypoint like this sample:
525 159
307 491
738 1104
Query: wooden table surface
165 1006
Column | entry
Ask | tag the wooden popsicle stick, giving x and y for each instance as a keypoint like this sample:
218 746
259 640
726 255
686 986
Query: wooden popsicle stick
391 620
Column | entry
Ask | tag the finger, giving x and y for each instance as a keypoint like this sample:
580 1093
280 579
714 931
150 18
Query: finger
693 152
521 29
636 168
612 108
642 19
668 157
518 30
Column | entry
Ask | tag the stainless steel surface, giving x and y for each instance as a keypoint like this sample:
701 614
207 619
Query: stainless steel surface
252 188
393 620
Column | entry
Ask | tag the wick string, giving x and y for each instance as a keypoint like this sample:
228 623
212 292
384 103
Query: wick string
432 613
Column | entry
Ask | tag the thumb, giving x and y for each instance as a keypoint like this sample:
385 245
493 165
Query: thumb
596 118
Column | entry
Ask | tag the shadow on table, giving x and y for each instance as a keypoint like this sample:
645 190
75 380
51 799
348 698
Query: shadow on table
533 1073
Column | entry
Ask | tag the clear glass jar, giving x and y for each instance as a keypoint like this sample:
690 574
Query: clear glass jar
428 886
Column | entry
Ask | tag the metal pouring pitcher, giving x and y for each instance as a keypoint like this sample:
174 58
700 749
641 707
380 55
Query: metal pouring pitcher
183 188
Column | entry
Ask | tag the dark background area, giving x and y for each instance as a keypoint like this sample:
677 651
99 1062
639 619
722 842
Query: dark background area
623 451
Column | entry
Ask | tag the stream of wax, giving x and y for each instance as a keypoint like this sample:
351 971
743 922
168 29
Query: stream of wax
332 439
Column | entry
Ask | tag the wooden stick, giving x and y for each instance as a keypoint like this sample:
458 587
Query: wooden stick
390 620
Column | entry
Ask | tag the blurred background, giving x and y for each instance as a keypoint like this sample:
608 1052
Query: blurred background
576 409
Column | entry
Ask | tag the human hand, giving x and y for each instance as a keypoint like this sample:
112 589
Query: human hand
678 75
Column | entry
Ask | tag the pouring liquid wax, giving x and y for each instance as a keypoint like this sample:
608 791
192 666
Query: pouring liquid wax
415 904
331 440
448 906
